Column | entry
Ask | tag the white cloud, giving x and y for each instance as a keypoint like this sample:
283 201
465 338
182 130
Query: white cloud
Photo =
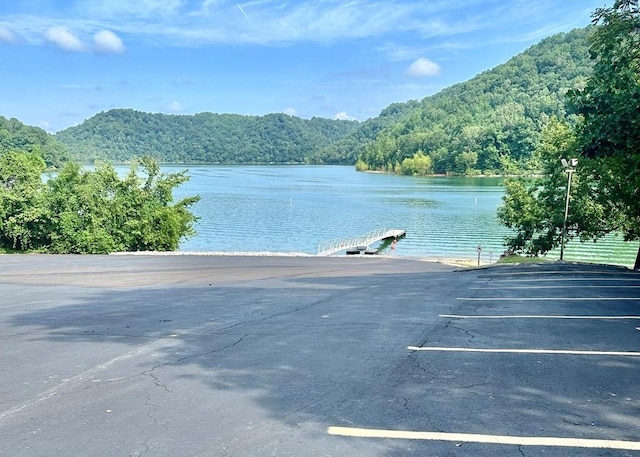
174 107
45 126
206 22
400 53
131 8
291 111
63 38
343 116
7 35
423 67
107 42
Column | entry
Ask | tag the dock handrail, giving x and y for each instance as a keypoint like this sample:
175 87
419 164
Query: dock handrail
342 244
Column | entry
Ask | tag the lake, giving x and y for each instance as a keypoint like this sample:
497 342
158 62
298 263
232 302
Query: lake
291 209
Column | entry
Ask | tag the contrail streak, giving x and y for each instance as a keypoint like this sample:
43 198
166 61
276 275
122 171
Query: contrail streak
243 13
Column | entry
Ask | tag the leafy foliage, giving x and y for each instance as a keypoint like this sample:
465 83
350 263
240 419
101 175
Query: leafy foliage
609 106
21 192
534 208
80 211
606 136
123 134
14 135
490 124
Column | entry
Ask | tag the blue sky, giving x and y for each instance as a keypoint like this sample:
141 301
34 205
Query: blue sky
65 60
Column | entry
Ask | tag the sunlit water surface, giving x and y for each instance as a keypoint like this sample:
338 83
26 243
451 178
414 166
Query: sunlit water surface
291 209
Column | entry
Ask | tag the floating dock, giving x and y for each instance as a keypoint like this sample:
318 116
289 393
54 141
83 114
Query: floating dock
354 244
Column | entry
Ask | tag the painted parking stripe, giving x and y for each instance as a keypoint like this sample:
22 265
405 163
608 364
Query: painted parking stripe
548 298
560 272
523 351
576 286
534 316
565 279
485 439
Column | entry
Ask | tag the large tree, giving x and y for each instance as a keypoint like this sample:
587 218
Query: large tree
609 106
534 208
605 135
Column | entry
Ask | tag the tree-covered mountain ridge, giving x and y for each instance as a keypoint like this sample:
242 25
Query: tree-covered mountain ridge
16 136
122 134
490 124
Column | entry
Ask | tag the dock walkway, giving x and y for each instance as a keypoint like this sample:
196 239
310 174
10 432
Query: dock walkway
343 244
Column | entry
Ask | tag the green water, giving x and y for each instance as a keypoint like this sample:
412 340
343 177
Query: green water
292 209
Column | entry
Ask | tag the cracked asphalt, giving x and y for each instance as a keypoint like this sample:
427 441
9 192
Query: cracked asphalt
295 356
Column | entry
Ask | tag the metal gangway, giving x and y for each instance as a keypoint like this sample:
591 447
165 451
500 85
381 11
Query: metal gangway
343 244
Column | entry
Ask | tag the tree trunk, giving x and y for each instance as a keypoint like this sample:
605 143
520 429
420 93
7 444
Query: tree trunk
637 265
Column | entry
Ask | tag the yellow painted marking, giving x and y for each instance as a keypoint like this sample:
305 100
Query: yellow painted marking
525 316
524 351
486 439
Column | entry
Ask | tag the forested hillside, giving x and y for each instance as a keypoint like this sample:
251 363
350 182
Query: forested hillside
489 124
122 134
14 135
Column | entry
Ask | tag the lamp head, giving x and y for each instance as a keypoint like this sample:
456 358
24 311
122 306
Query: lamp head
571 163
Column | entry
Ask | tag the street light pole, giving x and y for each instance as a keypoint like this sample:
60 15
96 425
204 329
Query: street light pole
569 168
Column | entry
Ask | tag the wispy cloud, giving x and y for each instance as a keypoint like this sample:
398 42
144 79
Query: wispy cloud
176 22
107 42
275 22
7 35
400 52
118 9
64 38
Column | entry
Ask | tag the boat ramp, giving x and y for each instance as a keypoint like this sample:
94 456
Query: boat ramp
360 244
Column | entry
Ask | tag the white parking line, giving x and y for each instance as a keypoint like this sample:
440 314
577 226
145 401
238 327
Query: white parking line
576 286
486 439
563 279
533 316
548 298
523 351
562 272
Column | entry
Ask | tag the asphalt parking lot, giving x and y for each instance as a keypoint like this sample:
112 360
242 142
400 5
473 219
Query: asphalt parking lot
286 356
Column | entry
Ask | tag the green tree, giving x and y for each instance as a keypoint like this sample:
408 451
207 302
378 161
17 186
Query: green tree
418 165
534 208
82 217
90 212
21 206
149 219
609 107
606 136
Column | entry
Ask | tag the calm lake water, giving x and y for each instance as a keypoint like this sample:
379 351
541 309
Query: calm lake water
291 209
